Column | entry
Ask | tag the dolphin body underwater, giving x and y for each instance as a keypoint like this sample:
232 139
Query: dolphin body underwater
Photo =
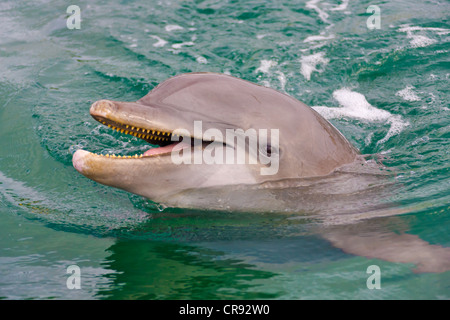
317 172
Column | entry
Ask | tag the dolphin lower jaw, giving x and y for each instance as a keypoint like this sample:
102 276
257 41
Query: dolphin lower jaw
122 172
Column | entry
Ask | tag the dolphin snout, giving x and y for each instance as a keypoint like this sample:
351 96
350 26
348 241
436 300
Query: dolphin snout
78 160
103 108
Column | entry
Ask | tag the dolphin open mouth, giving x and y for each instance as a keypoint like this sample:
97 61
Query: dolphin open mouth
163 141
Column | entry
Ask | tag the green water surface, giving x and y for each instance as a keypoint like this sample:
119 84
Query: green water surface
130 248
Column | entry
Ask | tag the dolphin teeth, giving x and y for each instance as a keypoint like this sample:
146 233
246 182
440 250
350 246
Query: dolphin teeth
157 132
126 132
153 131
127 126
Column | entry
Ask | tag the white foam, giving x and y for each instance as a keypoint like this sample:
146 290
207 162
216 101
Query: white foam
202 60
439 31
312 4
282 78
309 64
173 27
180 45
368 139
408 94
420 40
265 65
355 105
342 6
160 42
318 38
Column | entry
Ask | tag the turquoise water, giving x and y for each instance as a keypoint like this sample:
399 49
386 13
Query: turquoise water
385 89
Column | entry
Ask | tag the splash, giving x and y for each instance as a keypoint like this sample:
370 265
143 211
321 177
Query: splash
310 63
420 40
408 94
266 65
354 105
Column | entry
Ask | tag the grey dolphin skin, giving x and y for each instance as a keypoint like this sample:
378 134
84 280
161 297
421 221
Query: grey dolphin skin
317 171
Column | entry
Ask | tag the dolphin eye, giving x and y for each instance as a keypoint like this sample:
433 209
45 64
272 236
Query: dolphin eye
269 150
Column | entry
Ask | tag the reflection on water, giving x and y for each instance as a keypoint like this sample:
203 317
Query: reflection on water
158 270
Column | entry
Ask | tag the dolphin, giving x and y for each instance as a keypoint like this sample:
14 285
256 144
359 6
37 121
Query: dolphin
318 171
309 146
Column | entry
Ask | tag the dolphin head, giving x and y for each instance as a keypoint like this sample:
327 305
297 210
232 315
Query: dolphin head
210 130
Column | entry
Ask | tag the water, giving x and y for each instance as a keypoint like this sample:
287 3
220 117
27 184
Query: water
385 89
